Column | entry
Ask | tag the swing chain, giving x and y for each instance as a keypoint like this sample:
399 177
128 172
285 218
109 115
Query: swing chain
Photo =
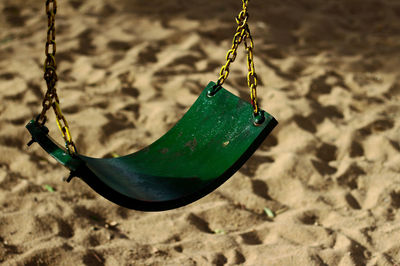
241 20
242 35
251 75
50 76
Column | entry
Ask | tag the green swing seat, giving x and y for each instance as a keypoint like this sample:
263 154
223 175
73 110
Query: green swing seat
207 146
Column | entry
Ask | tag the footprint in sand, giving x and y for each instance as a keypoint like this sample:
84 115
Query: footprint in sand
13 16
251 238
251 166
199 223
350 176
260 188
353 203
376 126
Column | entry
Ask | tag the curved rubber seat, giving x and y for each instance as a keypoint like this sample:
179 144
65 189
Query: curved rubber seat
207 146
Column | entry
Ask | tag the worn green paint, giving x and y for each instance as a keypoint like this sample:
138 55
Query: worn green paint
211 141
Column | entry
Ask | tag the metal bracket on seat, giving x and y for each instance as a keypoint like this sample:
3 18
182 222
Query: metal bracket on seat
40 135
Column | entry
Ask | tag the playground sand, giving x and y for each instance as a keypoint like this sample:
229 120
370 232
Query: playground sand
323 189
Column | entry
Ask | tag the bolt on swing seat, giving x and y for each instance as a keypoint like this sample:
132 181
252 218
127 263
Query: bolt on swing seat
208 145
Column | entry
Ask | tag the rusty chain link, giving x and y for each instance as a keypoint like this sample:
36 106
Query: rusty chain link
50 76
242 35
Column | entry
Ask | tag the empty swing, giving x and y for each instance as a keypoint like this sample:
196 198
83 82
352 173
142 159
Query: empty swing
208 144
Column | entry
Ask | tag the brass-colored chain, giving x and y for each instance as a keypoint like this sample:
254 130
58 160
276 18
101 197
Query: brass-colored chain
50 67
241 20
242 35
251 75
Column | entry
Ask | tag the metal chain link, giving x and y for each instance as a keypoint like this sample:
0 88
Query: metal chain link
241 20
251 75
50 67
242 35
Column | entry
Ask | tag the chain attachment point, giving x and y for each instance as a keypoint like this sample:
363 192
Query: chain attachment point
213 90
259 118
50 76
242 34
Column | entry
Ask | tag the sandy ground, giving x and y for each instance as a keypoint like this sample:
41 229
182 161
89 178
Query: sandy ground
329 73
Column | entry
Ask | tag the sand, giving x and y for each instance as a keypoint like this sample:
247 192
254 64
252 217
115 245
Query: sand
330 171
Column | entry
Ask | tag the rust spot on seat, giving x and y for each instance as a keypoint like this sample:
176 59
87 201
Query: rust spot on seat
191 144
